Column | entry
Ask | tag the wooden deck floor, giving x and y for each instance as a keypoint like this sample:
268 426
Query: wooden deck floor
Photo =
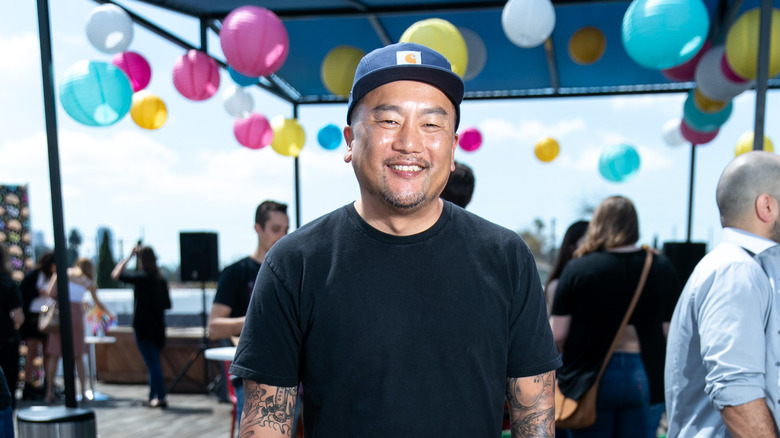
188 415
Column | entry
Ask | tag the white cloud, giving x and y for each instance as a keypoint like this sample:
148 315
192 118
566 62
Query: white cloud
642 102
588 158
528 131
19 56
654 159
586 161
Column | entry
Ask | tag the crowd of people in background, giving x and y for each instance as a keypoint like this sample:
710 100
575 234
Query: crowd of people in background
395 315
719 325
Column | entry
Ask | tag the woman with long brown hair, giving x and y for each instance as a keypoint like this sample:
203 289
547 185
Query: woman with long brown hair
591 300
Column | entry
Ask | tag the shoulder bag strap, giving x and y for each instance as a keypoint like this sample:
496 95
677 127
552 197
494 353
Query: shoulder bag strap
639 287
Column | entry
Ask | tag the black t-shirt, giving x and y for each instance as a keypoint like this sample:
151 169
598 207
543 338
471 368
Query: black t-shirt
235 286
398 336
151 299
10 298
596 290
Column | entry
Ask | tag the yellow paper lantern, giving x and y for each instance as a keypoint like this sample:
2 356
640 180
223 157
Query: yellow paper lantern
587 45
338 69
742 44
745 144
289 136
148 110
546 149
443 37
707 105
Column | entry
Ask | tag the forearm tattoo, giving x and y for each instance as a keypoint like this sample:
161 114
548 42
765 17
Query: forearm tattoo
268 407
532 405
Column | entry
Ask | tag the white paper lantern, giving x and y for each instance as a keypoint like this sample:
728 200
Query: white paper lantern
238 102
672 134
528 23
711 81
477 53
110 29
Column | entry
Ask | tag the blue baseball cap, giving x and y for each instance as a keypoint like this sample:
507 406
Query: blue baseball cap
405 62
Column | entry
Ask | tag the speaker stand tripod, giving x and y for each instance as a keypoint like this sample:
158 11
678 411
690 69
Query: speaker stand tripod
204 342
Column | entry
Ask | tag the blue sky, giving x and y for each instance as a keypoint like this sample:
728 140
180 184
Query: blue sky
192 175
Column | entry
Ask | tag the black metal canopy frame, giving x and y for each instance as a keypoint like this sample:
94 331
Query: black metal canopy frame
210 14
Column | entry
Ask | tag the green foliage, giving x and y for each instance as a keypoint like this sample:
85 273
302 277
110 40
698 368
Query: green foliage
537 241
74 242
105 264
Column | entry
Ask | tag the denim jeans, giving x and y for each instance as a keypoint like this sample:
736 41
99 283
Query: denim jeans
151 355
623 408
7 423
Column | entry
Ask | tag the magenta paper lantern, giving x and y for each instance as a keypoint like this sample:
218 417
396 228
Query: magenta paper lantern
254 41
196 75
686 71
696 137
136 67
728 72
253 132
470 139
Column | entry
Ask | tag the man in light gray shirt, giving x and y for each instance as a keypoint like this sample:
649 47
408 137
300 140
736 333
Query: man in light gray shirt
723 350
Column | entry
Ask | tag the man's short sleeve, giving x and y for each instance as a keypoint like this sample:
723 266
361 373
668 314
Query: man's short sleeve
532 350
270 341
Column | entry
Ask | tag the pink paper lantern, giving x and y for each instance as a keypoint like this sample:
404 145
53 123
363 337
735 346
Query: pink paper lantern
470 139
253 132
196 75
696 137
686 71
136 67
728 73
254 41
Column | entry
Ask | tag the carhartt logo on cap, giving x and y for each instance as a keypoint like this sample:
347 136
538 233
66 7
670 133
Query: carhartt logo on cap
407 57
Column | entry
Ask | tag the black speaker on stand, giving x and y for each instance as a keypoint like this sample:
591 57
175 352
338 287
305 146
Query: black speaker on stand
199 263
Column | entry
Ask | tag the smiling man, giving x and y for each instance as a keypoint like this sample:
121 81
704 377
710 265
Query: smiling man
401 315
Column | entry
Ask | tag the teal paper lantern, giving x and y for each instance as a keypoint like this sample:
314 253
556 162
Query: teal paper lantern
240 79
619 162
660 34
96 93
329 137
701 121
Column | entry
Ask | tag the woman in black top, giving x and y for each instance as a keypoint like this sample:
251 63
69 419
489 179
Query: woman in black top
572 239
591 299
151 300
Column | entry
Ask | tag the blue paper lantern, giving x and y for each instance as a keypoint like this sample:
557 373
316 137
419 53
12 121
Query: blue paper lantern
702 121
96 93
240 79
618 163
660 34
329 137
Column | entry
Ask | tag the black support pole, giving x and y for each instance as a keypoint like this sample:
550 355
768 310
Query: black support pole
762 71
690 193
60 253
297 180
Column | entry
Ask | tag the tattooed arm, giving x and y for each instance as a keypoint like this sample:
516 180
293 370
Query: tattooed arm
269 411
531 405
